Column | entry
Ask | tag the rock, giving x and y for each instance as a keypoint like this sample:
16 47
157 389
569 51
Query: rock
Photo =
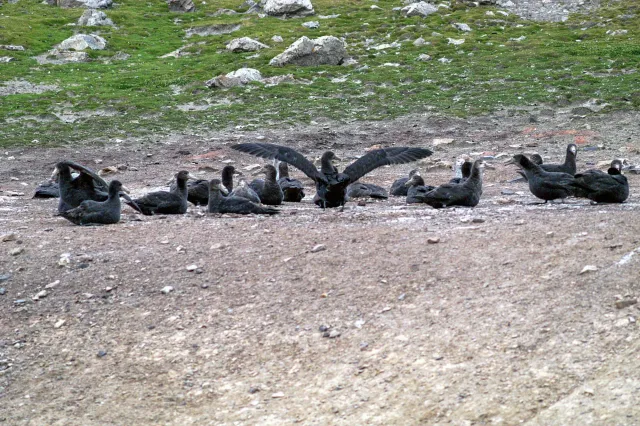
419 42
59 323
331 334
419 9
106 171
245 44
52 285
277 79
56 56
11 236
65 260
588 268
433 240
326 50
235 78
83 42
616 32
40 295
19 302
318 247
278 395
442 141
181 6
424 57
6 59
166 290
212 30
101 353
192 268
5 277
462 27
437 357
12 47
94 18
455 41
581 111
3 291
507 192
323 328
625 303
288 7
92 4
277 39
311 24
16 251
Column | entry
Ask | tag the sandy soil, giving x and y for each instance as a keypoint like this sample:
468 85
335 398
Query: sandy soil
494 324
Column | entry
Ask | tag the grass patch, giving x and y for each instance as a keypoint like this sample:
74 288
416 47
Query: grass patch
504 61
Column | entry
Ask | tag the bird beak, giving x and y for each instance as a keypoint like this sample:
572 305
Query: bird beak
223 189
409 183
55 173
336 159
512 161
125 190
237 173
133 203
192 177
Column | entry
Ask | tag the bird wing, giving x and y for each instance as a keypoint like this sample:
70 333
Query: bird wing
101 184
282 153
383 157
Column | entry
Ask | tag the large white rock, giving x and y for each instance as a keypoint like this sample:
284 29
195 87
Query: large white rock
419 9
83 42
288 7
327 50
94 18
93 4
245 44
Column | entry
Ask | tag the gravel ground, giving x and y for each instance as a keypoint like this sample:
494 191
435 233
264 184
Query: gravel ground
492 324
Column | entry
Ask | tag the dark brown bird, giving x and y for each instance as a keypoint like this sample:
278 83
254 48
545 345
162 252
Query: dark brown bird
166 202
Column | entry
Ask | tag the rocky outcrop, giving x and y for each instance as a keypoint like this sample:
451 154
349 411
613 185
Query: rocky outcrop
419 9
181 5
92 4
245 44
83 42
327 50
94 18
287 7
235 78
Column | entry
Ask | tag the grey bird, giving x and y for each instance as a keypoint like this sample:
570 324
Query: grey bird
166 202
244 191
74 191
232 204
268 189
399 187
416 189
366 190
466 194
545 185
91 212
600 187
292 189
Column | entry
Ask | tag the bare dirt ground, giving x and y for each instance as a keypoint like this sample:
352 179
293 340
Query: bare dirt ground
494 324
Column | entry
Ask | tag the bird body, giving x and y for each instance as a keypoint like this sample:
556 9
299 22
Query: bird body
465 172
600 187
416 189
399 187
97 212
546 185
292 189
198 191
74 191
366 190
245 191
166 202
232 203
331 185
268 189
466 194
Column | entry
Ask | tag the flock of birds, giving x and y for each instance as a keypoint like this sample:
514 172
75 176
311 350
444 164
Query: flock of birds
87 199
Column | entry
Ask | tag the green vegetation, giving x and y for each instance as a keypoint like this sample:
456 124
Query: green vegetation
555 62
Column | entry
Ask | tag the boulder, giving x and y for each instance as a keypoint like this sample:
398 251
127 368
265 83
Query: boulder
311 25
215 29
419 9
326 50
92 4
287 7
58 57
236 78
181 5
245 44
83 42
6 59
94 18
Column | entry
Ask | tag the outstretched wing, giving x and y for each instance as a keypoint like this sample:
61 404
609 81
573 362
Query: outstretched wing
282 153
101 184
382 157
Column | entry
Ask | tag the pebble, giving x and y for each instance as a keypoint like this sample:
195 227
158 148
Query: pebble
101 353
9 237
331 334
589 268
433 240
254 390
323 328
41 295
4 277
437 357
402 296
59 323
192 268
278 395
311 24
620 304
20 302
65 260
317 248
2 291
52 285
166 290
16 251
507 192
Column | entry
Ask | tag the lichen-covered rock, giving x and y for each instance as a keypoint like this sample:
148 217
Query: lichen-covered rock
236 78
83 42
288 7
419 9
94 18
181 5
245 44
327 50
56 56
92 4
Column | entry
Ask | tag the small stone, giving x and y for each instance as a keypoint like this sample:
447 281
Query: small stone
253 390
217 246
41 295
9 237
16 251
462 27
437 357
318 247
166 290
192 268
402 297
622 322
277 39
477 220
588 391
433 240
3 291
278 395
65 260
101 353
311 24
4 277
507 192
108 289
20 302
621 304
323 328
424 57
588 268
59 323
52 285
331 334
419 42
204 285
442 141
